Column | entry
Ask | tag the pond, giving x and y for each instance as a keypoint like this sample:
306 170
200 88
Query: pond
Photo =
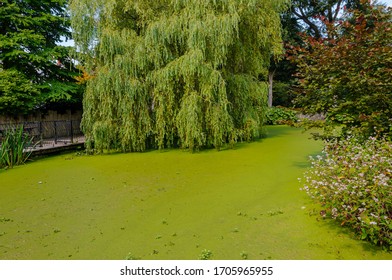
241 203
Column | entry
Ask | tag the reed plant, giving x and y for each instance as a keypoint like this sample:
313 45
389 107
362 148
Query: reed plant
14 147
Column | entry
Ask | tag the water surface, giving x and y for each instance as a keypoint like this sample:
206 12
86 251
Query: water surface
237 203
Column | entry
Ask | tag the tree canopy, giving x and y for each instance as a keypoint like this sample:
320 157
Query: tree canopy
349 76
312 18
34 70
314 14
174 72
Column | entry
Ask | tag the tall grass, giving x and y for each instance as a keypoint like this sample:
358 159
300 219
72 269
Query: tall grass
13 147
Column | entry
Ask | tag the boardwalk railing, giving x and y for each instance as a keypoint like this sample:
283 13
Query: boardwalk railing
48 132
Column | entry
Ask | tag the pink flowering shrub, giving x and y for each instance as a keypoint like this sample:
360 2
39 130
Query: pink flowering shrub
353 182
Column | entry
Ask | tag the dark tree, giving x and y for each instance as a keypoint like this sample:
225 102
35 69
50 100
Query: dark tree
314 18
347 75
34 69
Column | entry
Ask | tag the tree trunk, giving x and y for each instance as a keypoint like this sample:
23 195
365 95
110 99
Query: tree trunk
270 87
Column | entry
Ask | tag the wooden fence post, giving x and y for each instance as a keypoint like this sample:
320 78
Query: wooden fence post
55 131
71 133
40 134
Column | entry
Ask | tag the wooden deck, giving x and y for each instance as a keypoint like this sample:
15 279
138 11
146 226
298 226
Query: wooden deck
51 147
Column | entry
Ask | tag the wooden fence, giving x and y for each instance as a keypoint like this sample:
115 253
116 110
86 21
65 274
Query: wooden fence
48 132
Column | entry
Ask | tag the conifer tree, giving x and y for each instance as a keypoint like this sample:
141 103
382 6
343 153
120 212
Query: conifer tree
34 69
175 72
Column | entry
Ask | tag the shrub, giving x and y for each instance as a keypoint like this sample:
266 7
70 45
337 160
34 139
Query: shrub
280 115
347 74
353 182
13 148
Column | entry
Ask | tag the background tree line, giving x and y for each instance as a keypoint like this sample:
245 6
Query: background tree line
36 72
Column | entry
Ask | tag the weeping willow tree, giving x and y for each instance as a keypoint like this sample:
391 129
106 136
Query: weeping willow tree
167 73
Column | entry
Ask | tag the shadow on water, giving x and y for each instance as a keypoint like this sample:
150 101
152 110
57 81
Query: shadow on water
344 232
302 164
276 131
272 131
374 250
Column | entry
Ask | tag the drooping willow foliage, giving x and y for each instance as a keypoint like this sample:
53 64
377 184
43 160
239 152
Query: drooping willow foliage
175 72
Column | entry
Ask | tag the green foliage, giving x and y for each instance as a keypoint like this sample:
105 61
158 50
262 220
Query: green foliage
280 115
131 257
33 69
175 73
16 91
13 148
353 182
282 92
348 76
205 255
244 255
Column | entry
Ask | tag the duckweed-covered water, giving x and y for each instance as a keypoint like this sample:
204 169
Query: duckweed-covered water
239 203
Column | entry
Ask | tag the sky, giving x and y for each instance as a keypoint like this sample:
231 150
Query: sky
67 43
388 2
